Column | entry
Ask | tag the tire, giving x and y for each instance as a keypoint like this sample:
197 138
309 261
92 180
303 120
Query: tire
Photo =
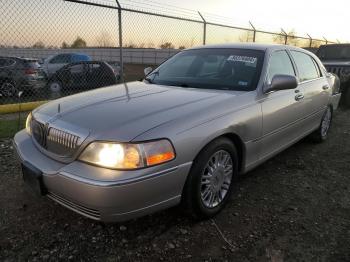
321 134
200 185
8 88
55 86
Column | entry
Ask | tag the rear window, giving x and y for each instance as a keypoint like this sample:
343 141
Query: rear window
32 64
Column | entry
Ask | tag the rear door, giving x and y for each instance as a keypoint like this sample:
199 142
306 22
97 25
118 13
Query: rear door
315 85
282 110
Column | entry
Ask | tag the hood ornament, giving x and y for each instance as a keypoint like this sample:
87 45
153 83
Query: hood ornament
59 108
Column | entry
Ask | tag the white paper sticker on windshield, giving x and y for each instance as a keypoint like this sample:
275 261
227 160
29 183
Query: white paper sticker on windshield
244 59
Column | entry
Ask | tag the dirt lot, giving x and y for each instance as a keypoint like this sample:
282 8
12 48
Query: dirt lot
295 207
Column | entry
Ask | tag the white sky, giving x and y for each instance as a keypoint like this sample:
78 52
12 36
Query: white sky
318 18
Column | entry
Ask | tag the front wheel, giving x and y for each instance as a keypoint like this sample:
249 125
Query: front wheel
321 133
211 179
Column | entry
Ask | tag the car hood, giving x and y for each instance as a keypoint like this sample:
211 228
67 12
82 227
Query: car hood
336 63
125 111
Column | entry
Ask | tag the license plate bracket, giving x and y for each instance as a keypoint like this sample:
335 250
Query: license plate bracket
33 178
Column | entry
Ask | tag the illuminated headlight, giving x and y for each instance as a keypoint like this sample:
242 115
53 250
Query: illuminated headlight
128 156
28 123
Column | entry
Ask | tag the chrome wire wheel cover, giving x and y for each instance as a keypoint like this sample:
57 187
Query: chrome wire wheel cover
216 178
326 122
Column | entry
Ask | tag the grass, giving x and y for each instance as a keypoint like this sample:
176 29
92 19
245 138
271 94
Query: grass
9 127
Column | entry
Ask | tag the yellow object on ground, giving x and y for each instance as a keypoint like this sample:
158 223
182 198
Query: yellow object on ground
14 108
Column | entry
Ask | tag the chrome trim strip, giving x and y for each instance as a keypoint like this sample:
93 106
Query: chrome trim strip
121 182
147 207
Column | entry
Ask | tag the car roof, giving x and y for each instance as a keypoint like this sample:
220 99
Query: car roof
336 45
254 46
26 59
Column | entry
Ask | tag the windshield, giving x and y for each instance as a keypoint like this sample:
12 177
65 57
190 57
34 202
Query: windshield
230 69
335 52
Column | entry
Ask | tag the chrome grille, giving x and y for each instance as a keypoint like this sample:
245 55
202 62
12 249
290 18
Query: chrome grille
55 140
61 137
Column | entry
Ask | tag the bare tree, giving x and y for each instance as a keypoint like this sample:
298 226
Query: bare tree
64 45
39 44
104 39
182 47
292 39
247 36
167 45
79 43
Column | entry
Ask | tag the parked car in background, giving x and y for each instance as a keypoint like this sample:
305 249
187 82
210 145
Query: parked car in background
336 59
82 75
20 74
55 62
116 67
183 134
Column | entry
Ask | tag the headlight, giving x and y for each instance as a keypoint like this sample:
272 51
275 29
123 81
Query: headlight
128 156
28 123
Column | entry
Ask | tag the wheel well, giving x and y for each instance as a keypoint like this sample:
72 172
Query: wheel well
237 141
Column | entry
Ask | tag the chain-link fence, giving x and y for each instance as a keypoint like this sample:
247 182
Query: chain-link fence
54 48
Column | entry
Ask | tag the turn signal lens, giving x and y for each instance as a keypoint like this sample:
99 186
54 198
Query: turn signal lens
128 156
158 152
28 123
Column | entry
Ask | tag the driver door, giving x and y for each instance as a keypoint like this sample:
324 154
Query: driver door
282 110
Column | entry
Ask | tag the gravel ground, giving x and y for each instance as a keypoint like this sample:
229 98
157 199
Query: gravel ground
295 207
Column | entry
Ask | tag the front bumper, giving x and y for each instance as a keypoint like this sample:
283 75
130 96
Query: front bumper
108 201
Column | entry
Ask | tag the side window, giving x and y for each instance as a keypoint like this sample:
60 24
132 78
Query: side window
6 62
306 66
319 72
280 64
2 62
76 69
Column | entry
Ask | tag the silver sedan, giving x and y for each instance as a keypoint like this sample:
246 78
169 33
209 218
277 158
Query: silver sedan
182 135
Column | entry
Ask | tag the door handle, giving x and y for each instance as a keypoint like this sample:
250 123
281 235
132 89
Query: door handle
299 97
325 87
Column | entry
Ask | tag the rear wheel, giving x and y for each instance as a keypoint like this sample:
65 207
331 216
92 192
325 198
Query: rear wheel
211 179
8 88
55 86
321 133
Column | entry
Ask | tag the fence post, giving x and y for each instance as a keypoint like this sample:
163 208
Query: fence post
310 44
325 40
120 41
204 28
285 36
254 30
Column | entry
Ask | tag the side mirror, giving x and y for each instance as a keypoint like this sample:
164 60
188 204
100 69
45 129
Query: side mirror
282 82
147 70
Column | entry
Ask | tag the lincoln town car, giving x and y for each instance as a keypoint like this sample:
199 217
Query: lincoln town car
182 135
